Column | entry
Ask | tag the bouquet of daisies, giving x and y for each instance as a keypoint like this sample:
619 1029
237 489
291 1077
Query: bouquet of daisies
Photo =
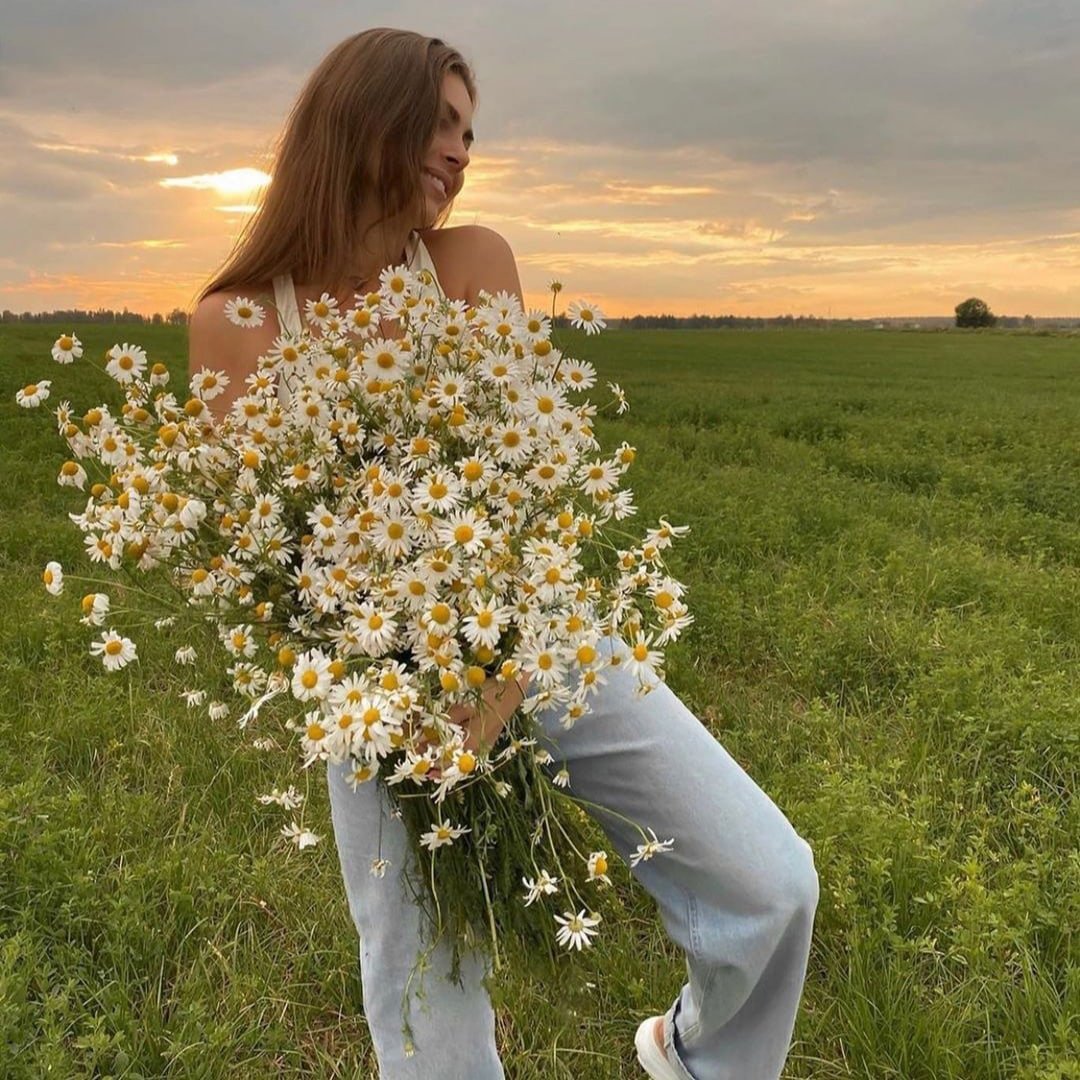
383 533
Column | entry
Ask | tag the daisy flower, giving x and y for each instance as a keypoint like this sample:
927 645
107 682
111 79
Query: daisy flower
484 625
536 326
241 311
544 407
302 838
95 606
392 536
467 530
186 655
207 385
72 474
650 848
580 375
510 443
544 664
576 930
598 477
126 363
384 359
311 676
33 394
53 577
643 660
290 798
239 640
586 316
545 884
374 628
443 833
193 698
439 491
217 710
66 348
115 651
320 312
598 865
620 396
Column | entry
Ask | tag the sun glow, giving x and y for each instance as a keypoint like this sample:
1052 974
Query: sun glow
230 182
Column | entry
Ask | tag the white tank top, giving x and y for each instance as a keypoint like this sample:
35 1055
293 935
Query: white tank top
289 320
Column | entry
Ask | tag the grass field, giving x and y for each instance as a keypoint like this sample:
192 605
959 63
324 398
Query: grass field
885 568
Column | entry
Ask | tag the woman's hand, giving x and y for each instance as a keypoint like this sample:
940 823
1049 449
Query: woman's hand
484 722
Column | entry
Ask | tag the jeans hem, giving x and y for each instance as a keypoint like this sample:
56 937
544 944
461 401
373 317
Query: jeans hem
670 1052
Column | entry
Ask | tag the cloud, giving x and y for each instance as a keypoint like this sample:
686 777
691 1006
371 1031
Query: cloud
665 154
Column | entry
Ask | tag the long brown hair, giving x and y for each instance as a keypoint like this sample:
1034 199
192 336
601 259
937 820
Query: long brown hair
357 134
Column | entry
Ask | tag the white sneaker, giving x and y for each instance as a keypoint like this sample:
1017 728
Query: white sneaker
649 1054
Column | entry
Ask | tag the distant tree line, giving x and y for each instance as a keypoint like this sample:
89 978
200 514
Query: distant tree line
971 312
176 317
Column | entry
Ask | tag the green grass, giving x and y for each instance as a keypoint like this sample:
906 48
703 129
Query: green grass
885 568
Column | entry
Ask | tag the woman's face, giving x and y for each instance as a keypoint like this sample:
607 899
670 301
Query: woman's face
448 154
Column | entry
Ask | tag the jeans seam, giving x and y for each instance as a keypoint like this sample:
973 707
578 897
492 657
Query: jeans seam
695 950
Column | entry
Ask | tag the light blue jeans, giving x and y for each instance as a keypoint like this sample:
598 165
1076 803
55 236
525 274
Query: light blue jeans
737 893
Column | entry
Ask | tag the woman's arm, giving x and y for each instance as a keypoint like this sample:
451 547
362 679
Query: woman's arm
215 343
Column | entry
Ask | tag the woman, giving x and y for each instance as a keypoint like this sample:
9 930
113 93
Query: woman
370 160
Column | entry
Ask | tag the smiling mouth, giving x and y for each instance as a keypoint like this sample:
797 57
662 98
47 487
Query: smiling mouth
436 183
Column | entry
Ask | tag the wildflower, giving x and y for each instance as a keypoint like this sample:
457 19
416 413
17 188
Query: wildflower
650 848
576 930
193 698
620 396
311 676
95 607
584 315
302 838
72 474
241 311
379 867
643 660
126 363
217 710
544 884
53 577
115 651
207 385
33 394
598 865
443 833
185 655
290 798
66 349
561 778
320 312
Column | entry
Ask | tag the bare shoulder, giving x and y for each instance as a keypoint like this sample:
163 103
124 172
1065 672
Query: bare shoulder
469 258
217 343
209 324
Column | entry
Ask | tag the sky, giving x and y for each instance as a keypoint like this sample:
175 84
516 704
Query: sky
843 158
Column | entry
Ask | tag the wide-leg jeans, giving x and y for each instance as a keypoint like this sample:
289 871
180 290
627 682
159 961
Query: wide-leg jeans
737 893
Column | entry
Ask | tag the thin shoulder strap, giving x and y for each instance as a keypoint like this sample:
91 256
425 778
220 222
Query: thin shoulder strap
288 309
420 258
